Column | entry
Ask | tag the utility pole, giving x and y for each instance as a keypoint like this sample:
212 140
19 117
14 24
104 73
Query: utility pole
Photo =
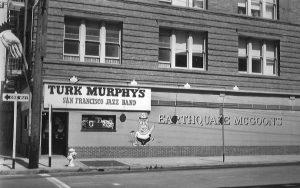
34 152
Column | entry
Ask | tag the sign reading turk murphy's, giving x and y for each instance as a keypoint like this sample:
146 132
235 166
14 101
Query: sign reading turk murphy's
96 97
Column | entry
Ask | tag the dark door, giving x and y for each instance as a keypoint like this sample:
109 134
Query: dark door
59 133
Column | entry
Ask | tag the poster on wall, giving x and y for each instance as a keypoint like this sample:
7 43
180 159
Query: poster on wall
98 123
96 97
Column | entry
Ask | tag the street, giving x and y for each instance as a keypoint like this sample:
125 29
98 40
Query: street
264 177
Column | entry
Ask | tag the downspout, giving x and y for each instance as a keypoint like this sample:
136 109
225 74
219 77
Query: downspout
32 22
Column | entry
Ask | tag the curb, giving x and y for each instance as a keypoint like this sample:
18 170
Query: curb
139 169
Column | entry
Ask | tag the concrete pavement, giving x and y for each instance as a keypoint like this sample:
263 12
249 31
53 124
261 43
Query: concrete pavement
121 165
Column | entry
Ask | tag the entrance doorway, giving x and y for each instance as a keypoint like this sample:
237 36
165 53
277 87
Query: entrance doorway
59 133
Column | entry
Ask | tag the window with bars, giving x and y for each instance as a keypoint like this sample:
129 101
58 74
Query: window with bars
258 8
92 41
257 56
182 49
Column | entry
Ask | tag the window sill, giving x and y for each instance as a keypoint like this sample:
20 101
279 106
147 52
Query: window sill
180 7
71 57
181 70
184 68
194 8
256 75
256 18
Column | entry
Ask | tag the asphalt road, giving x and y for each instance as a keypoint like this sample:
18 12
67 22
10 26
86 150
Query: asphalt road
255 177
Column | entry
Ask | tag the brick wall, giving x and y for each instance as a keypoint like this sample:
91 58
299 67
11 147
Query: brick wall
226 6
141 23
289 11
172 151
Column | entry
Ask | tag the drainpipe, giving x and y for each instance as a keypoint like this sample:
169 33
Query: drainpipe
32 22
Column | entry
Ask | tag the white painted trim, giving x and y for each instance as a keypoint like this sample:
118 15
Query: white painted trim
189 51
264 59
248 2
102 42
173 45
263 8
249 57
82 34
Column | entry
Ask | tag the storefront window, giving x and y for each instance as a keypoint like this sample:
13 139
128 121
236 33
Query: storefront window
98 123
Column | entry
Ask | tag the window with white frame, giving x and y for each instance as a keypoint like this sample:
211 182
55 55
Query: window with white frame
257 56
92 41
258 8
186 3
182 49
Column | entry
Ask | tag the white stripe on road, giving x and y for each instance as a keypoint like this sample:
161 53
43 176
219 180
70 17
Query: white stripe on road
55 181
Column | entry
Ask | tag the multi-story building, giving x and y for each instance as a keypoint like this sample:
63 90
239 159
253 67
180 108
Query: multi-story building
100 64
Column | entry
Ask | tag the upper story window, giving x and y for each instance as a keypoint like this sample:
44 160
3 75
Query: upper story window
71 38
92 41
258 8
187 3
257 56
182 49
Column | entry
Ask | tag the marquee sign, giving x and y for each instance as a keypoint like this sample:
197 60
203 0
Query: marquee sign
96 97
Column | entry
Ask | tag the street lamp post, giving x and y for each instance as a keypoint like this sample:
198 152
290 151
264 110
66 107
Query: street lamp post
221 120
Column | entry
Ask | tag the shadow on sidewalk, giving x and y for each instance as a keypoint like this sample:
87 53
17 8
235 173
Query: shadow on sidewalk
7 161
22 162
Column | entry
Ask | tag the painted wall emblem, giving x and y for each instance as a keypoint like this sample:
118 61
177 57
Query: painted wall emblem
143 135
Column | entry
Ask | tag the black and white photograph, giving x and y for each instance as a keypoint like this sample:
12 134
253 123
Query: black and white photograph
150 93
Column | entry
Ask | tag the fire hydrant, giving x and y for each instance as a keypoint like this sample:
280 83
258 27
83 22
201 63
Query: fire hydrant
71 157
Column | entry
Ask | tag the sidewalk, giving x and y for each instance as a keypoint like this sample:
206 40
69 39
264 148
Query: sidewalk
118 165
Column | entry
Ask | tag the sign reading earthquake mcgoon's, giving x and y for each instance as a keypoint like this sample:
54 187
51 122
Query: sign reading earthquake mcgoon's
96 97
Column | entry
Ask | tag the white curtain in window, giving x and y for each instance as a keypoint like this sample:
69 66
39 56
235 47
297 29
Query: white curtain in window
197 46
270 52
270 8
180 2
270 58
242 3
181 44
242 51
197 3
256 49
255 5
270 1
269 12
